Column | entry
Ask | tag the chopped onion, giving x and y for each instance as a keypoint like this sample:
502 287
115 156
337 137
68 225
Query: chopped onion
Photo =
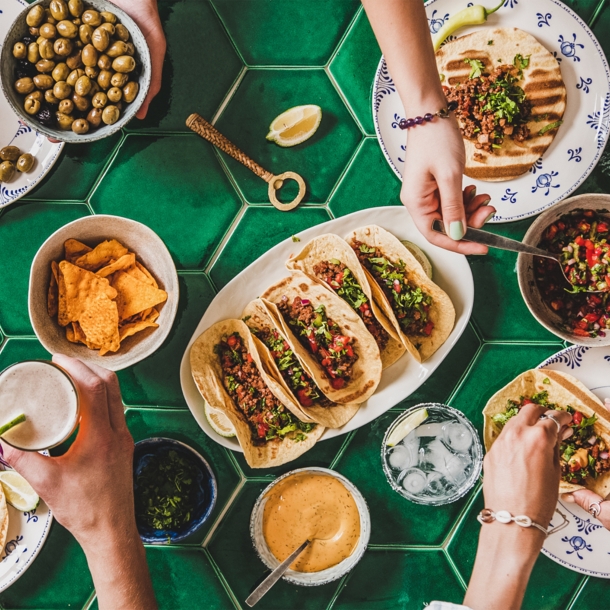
284 298
592 440
571 261
604 455
596 326
305 301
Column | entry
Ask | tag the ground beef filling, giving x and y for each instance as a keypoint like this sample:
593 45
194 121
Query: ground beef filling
322 338
342 281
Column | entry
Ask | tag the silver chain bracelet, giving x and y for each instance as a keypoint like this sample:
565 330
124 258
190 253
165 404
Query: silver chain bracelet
503 516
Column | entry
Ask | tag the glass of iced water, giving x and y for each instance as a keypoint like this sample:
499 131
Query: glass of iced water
438 461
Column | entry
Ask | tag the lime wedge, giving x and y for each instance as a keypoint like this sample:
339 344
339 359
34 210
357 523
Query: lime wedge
295 125
17 420
406 426
419 255
18 491
220 423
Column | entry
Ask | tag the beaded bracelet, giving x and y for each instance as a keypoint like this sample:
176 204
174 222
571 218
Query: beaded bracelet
443 113
503 516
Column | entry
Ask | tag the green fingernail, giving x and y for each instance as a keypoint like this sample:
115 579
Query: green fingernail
456 230
490 217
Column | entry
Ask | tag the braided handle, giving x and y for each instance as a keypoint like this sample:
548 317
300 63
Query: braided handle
207 131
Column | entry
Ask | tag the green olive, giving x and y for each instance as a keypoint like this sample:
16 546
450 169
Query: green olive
48 30
35 16
110 115
67 29
124 64
64 121
40 39
20 51
77 22
92 18
92 72
59 10
66 106
43 81
104 79
45 66
50 97
90 56
62 90
33 52
82 103
117 48
99 100
74 76
35 32
76 7
100 39
49 17
75 60
131 50
7 171
82 86
31 106
119 80
108 17
46 49
85 31
61 72
9 153
35 95
104 62
130 91
25 162
121 32
63 47
115 94
94 118
109 28
24 85
95 88
80 126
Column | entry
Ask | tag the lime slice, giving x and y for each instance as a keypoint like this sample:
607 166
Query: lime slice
295 125
18 491
421 258
406 426
220 423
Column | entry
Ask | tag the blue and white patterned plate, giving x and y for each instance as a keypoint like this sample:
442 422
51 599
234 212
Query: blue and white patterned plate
580 140
15 133
584 545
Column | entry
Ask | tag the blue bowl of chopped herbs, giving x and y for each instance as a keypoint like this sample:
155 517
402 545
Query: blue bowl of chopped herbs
175 490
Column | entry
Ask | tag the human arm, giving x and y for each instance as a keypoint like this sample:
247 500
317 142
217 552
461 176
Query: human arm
90 490
434 161
146 14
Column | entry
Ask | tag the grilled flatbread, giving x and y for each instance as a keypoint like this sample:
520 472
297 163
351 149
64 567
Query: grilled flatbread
543 86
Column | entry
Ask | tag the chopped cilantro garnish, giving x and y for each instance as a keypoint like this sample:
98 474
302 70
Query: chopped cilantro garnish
295 238
490 42
476 67
549 127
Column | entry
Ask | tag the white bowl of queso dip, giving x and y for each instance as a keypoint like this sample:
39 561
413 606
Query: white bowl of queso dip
316 504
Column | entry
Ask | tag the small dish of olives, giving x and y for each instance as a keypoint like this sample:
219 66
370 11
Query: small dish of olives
75 70
13 161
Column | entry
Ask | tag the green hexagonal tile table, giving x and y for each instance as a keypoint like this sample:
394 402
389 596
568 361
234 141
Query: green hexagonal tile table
240 63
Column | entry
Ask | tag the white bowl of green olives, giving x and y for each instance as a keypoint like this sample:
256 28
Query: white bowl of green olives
75 70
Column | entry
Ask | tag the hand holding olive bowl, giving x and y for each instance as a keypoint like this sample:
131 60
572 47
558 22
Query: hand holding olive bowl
76 74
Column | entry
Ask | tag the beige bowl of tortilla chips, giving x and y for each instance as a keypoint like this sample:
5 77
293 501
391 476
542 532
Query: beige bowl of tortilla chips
103 289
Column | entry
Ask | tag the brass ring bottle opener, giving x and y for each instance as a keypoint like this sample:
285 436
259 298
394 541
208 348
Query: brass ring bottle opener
207 131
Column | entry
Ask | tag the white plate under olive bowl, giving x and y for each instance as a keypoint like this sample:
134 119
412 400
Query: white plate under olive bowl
19 29
150 251
312 579
525 266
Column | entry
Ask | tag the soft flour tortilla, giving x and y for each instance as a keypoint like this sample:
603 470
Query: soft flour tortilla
366 372
332 416
563 390
3 519
542 83
442 312
326 247
207 373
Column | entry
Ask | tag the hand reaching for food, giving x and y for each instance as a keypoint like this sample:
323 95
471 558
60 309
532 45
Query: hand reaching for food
593 503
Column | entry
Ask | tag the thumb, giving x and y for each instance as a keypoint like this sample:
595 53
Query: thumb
452 205
32 466
585 498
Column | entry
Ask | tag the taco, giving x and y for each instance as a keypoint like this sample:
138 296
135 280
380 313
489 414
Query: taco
231 377
422 313
328 336
584 457
509 99
274 347
328 260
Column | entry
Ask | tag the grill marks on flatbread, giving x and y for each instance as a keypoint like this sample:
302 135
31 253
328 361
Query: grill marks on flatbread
543 86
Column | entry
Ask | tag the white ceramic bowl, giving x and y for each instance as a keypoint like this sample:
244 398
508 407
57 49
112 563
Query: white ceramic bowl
525 266
150 251
311 579
20 28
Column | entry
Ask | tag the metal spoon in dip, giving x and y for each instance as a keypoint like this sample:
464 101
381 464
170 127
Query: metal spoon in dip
505 243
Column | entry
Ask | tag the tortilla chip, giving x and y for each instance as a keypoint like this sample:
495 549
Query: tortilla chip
53 295
75 249
131 329
135 296
101 255
147 273
141 274
126 261
70 335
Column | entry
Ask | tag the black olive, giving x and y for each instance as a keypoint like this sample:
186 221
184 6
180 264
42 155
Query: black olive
27 40
46 117
24 68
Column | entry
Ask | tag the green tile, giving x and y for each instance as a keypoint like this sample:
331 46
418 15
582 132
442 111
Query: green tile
23 229
369 182
543 591
399 579
585 8
599 179
602 28
185 579
232 550
200 67
285 32
79 167
394 520
174 185
594 594
152 382
180 425
260 229
59 577
495 366
354 67
261 96
17 350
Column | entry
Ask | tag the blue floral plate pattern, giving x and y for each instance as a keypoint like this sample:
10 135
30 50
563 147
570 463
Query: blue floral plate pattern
580 140
584 545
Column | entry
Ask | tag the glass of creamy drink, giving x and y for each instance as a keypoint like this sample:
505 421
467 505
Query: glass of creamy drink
47 396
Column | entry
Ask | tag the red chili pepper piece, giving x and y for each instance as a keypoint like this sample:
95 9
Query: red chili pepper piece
304 398
337 383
